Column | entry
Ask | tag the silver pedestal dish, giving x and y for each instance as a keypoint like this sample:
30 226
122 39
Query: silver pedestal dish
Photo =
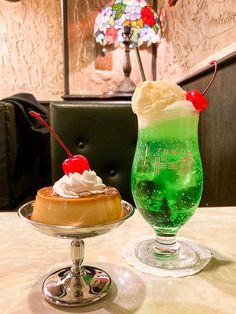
77 285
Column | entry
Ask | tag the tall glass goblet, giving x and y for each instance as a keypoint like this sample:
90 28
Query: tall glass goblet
166 183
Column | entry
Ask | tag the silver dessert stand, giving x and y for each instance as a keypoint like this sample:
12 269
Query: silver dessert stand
77 285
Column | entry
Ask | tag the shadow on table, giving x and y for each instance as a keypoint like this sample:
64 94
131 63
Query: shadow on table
220 273
217 261
126 296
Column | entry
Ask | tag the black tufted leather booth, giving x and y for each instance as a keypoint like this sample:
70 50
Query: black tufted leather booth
104 132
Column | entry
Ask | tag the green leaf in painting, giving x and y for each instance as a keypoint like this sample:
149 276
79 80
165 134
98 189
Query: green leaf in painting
119 14
116 6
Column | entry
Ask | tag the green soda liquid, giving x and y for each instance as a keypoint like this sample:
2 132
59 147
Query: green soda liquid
167 176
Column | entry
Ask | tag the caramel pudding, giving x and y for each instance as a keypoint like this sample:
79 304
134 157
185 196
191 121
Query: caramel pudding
79 198
86 210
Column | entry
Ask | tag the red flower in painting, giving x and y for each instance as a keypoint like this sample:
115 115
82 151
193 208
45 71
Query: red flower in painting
147 16
111 35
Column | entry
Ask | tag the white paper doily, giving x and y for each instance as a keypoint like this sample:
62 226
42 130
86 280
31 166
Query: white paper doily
204 256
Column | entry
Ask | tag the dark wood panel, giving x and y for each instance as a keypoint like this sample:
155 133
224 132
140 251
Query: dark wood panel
217 134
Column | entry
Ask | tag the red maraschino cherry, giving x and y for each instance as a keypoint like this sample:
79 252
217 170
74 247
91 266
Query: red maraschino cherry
198 100
77 163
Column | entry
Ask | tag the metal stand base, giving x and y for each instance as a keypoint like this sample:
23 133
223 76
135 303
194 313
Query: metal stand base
64 288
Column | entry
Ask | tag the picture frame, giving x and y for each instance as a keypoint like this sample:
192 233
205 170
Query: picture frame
72 69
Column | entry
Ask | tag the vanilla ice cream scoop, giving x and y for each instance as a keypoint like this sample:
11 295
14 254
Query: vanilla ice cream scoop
153 96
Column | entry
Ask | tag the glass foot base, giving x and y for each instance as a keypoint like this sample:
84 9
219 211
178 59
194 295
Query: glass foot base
187 257
163 267
64 288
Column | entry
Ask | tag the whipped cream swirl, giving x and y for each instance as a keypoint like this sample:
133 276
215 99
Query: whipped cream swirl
75 184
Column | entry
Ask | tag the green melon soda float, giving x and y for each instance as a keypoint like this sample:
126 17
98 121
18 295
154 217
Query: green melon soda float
167 171
167 177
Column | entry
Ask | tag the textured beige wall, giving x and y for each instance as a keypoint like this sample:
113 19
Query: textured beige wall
31 56
198 31
31 48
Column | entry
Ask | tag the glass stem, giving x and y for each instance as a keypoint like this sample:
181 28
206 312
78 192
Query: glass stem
166 245
77 255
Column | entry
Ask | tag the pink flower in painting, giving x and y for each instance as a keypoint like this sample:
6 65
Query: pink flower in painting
111 35
102 20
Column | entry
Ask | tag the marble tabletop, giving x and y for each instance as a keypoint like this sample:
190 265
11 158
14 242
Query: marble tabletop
27 256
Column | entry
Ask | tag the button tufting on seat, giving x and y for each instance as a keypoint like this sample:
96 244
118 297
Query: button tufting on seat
112 172
81 144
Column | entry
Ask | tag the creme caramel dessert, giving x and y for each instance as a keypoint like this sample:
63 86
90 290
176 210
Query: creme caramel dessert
77 200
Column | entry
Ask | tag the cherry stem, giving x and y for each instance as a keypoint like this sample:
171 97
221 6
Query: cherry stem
213 77
37 116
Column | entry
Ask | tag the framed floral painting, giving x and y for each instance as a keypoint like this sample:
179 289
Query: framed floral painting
89 69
